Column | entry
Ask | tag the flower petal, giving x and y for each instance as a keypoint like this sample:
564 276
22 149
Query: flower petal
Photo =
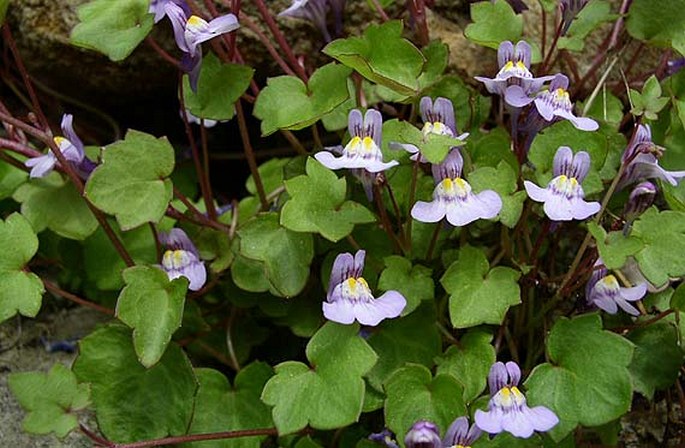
432 211
343 266
518 422
41 165
490 421
388 306
517 97
536 193
543 418
340 311
634 293
563 161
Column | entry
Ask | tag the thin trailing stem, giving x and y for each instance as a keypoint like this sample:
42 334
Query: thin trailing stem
433 242
249 154
548 56
201 175
199 437
245 20
53 288
385 220
162 52
229 340
211 212
412 197
19 148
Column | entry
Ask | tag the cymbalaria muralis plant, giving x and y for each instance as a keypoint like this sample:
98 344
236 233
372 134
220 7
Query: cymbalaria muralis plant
424 235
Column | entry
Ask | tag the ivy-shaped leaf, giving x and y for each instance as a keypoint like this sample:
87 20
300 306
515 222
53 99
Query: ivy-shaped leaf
661 22
412 339
663 236
131 182
413 394
433 147
330 393
11 177
286 254
493 22
650 101
382 56
219 87
55 204
478 294
134 403
414 283
153 307
657 358
587 381
49 399
21 291
614 247
469 362
112 28
222 407
287 103
318 204
503 181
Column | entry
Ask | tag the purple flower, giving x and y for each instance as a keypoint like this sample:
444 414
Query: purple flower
453 198
364 149
641 159
640 199
312 10
423 434
181 259
507 409
551 105
514 63
569 11
438 119
564 196
460 435
349 297
604 291
191 31
72 149
207 122
157 8
385 438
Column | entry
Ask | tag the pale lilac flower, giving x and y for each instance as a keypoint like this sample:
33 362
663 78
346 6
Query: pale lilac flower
459 435
364 148
604 291
438 119
453 198
642 162
423 434
631 271
507 409
314 11
674 66
349 297
181 259
551 105
564 196
569 11
191 31
514 64
385 438
641 198
72 149
157 8
207 122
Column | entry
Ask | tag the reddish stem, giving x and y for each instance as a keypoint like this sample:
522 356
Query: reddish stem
76 299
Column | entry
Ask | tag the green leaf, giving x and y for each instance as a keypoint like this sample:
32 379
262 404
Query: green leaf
414 283
134 403
249 274
49 399
503 181
412 339
493 23
318 204
678 299
650 102
490 149
286 254
663 236
103 264
469 362
56 204
131 182
506 440
604 146
606 108
657 358
287 103
153 307
219 87
594 14
112 28
11 177
437 55
413 394
3 10
614 247
21 291
478 294
661 22
271 173
587 380
432 146
330 393
222 407
382 56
